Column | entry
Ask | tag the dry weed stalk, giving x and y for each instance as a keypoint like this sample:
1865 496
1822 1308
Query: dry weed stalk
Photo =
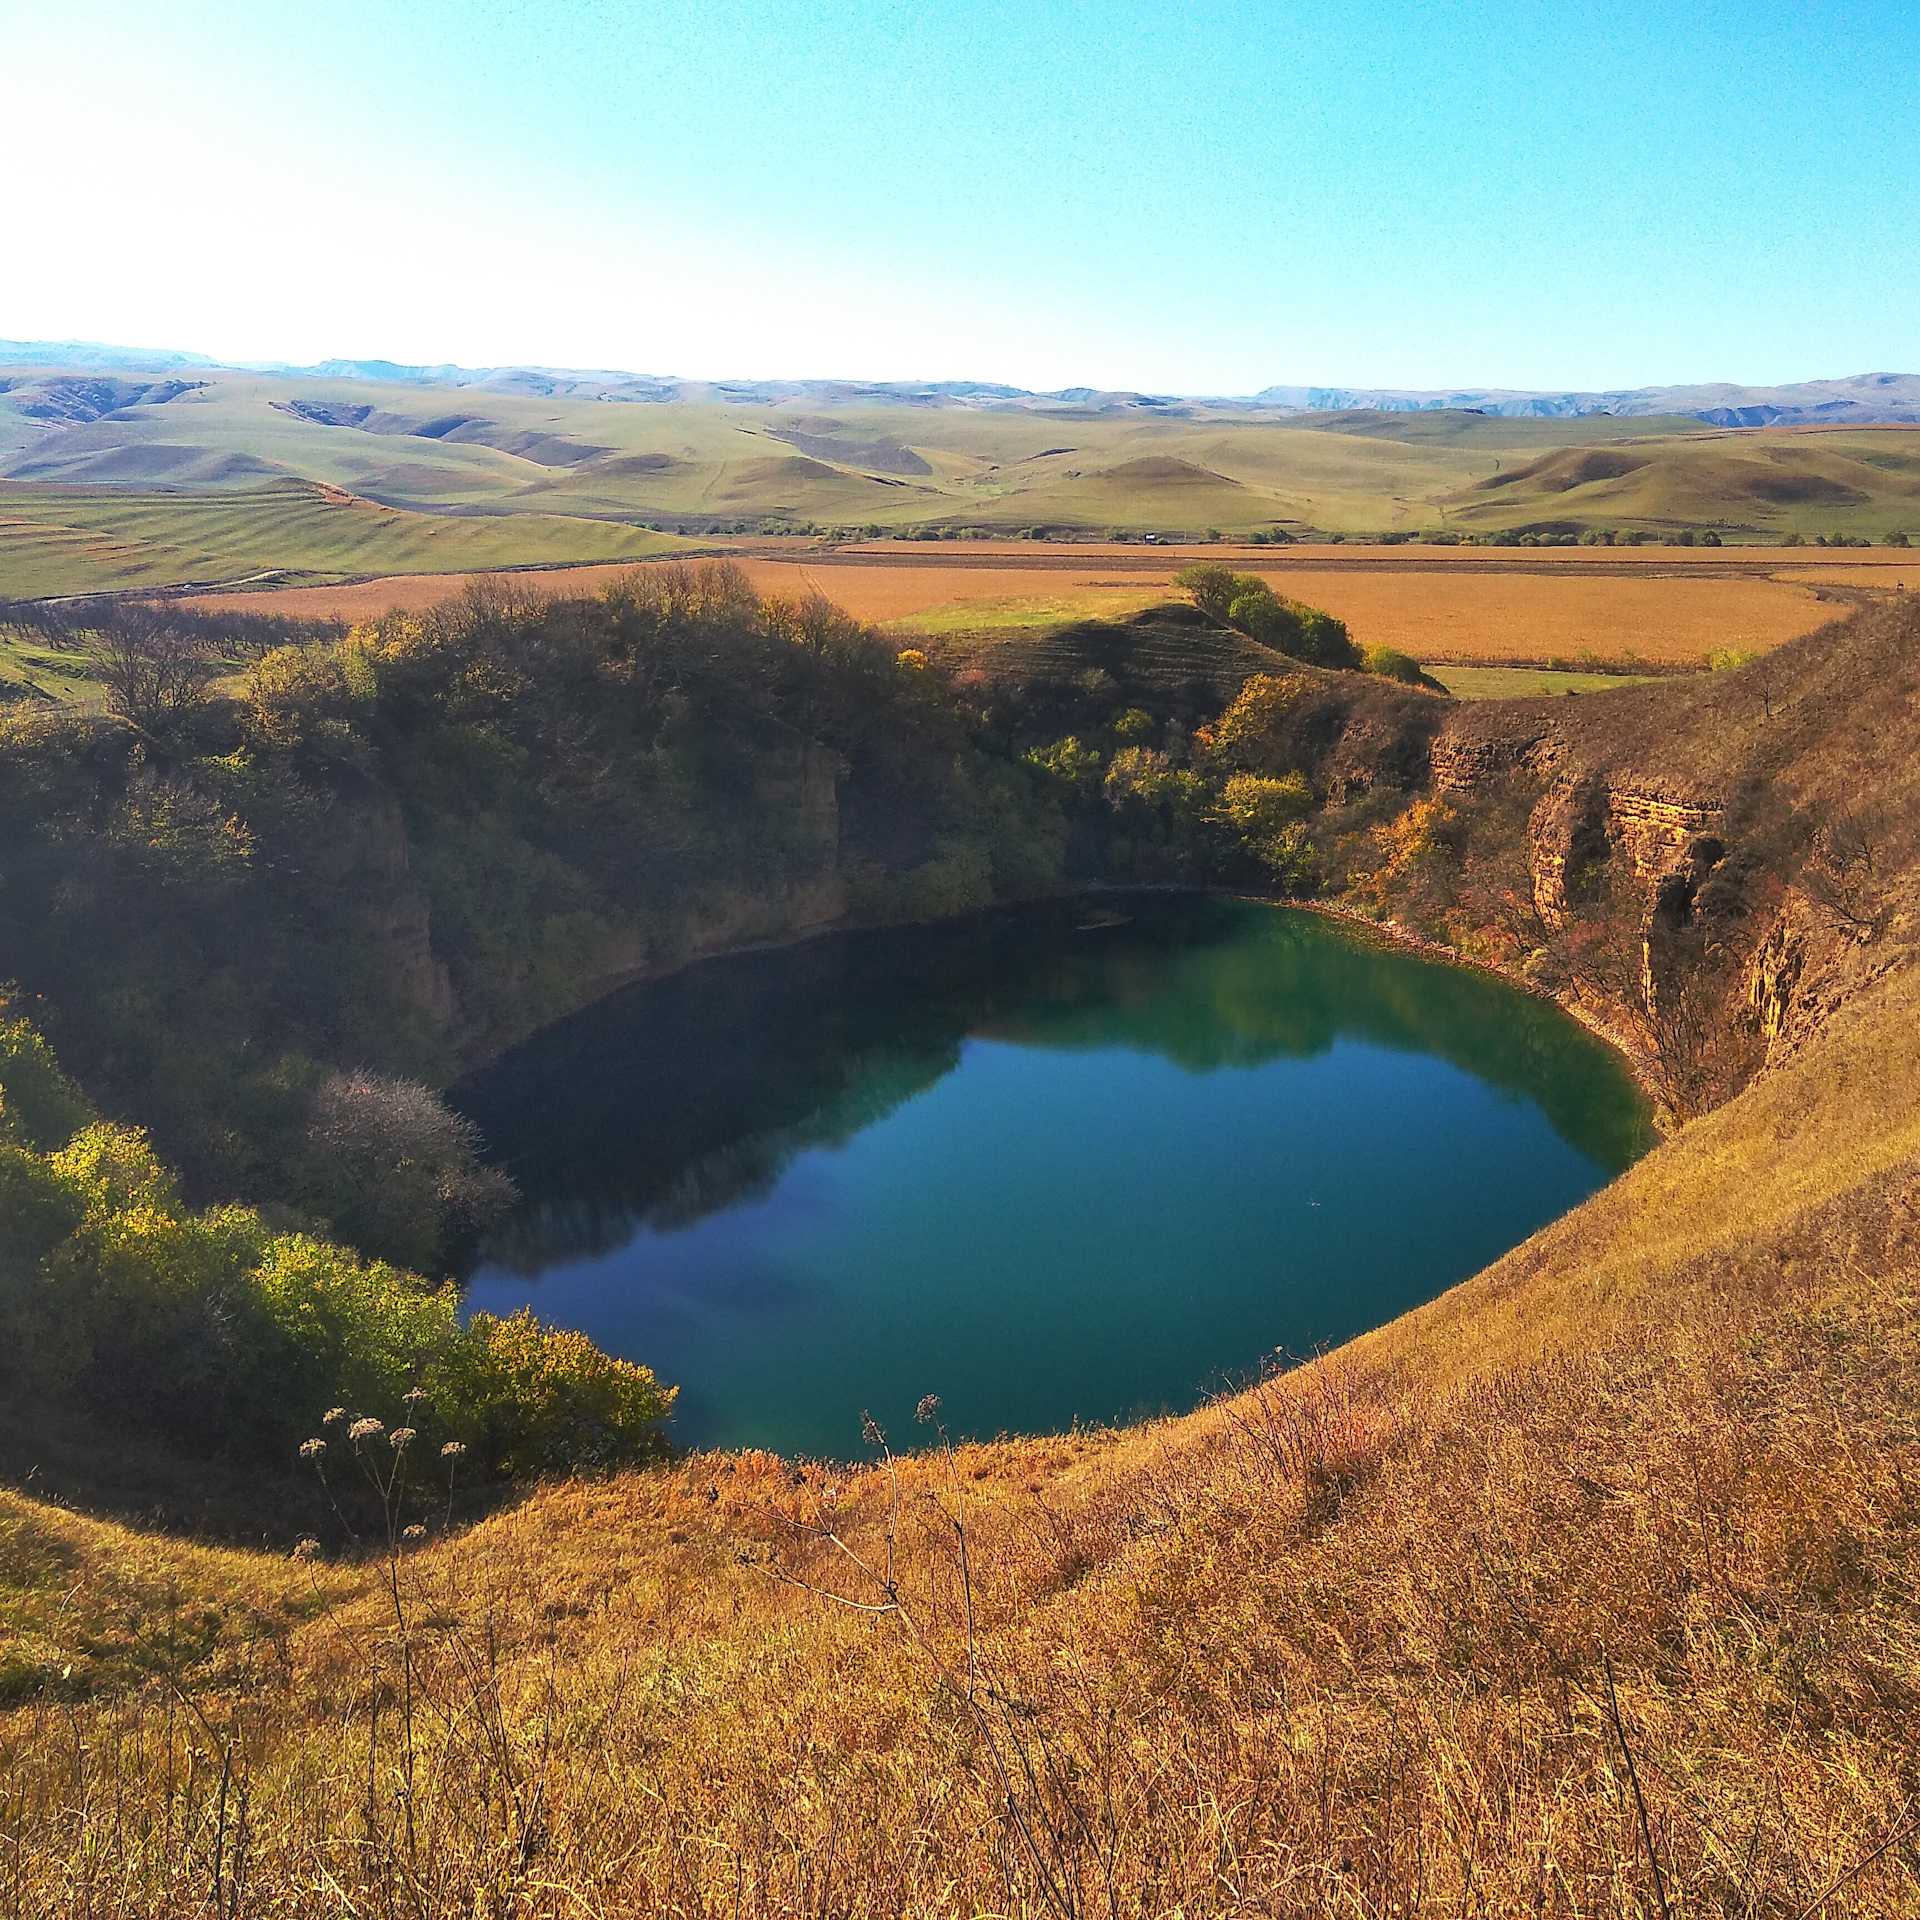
1622 1628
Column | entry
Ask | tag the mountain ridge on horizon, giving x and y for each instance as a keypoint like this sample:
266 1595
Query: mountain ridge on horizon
1851 400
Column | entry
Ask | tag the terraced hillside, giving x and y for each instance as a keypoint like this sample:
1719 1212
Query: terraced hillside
65 540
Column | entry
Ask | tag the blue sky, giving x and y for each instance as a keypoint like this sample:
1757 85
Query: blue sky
1193 198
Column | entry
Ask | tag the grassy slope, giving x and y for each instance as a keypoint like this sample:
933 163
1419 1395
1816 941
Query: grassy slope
1387 1629
705 462
74 540
1864 481
1517 683
1588 1588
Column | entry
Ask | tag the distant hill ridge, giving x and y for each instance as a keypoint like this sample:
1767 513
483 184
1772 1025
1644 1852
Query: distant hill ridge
1855 400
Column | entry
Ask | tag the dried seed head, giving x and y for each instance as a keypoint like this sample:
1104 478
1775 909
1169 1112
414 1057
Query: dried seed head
928 1409
312 1449
307 1549
367 1429
453 1450
870 1431
414 1533
333 1416
400 1439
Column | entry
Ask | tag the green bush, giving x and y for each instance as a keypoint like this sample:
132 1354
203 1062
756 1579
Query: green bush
393 1171
39 1106
1245 601
1074 766
233 1338
1391 664
1211 587
1260 806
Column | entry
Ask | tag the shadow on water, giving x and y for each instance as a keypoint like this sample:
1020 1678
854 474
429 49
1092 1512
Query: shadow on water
681 1098
1073 1161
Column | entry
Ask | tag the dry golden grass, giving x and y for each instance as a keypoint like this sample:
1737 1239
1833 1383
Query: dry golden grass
1494 617
1588 1589
1668 606
86 1605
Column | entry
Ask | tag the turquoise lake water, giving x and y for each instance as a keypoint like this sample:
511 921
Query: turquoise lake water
1072 1162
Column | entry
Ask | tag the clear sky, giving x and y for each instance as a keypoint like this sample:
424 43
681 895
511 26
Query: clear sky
1135 193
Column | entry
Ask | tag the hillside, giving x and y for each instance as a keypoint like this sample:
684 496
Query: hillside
1586 1589
229 475
63 540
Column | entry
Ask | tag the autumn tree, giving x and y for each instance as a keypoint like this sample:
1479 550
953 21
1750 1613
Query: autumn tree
153 666
396 1171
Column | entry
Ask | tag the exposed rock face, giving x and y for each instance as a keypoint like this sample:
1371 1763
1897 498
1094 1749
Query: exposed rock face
577 955
1760 823
1566 834
1669 845
1467 758
1661 836
366 847
1676 890
1773 976
1379 736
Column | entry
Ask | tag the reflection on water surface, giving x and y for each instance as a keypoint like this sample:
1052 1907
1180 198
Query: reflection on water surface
1065 1162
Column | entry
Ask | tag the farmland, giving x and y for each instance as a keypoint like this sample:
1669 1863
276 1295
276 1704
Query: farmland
1668 607
107 484
344 498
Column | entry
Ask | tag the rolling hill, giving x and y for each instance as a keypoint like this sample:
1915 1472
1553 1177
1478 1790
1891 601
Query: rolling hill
109 473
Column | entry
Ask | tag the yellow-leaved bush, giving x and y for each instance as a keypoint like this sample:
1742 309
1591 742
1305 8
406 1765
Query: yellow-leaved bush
533 1399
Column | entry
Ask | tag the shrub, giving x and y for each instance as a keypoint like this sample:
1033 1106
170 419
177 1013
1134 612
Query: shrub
1324 640
39 1335
39 1106
154 666
393 1170
1138 773
1245 601
1262 615
1391 664
363 1332
531 1399
958 879
1248 728
232 1337
1259 806
1067 761
1211 587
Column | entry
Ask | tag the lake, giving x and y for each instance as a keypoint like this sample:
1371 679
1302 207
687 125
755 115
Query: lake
1075 1162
